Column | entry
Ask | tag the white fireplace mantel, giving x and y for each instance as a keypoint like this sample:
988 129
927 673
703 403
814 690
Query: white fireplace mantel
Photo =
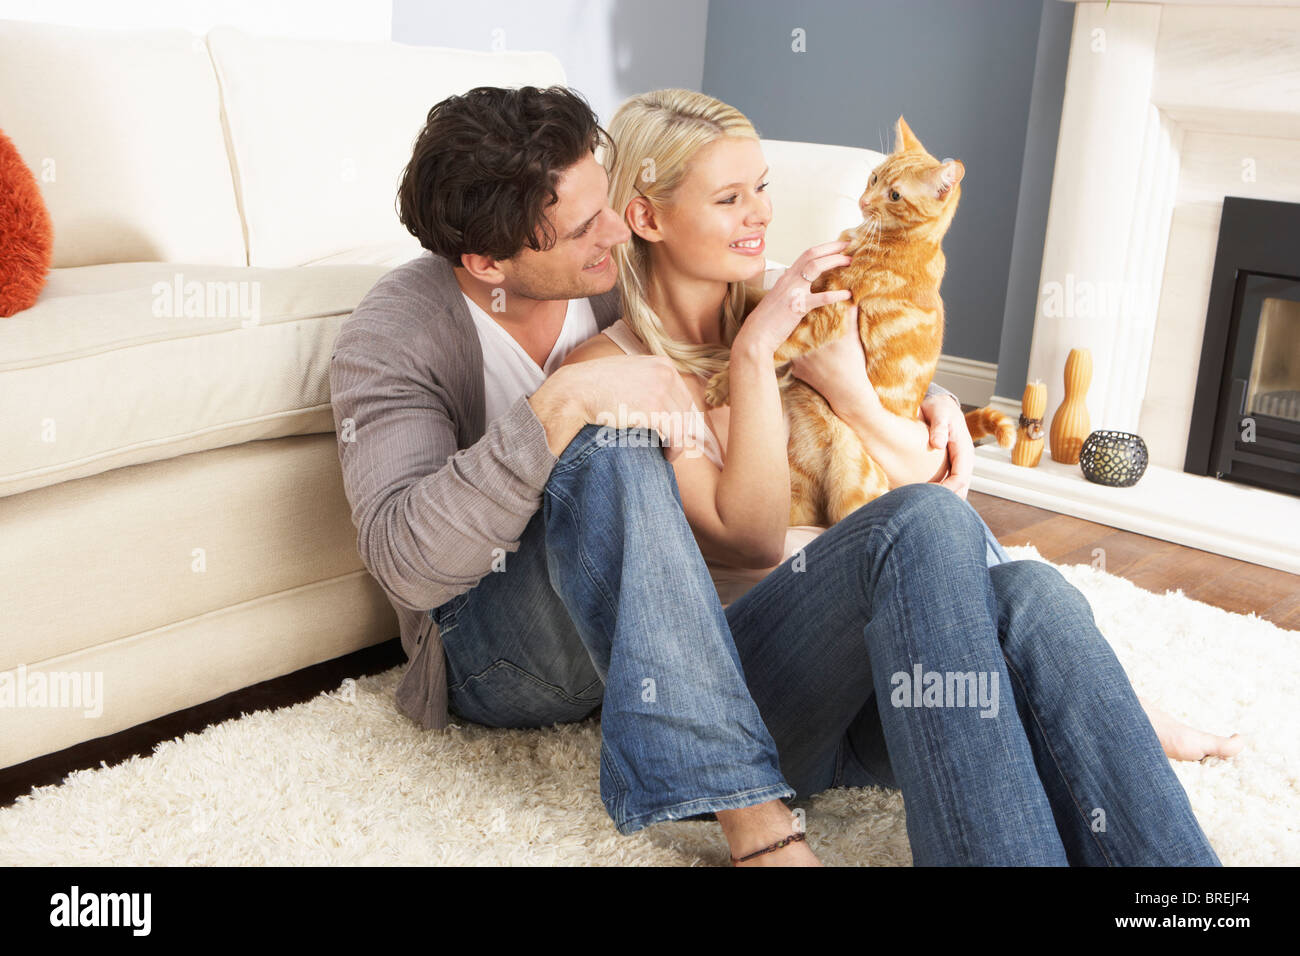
1168 108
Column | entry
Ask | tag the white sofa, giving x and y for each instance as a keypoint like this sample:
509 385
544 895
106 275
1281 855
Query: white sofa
172 520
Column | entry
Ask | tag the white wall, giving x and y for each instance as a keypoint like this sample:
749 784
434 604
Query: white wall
611 49
341 19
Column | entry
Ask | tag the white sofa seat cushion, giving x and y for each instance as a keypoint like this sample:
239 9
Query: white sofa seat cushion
322 129
123 132
121 364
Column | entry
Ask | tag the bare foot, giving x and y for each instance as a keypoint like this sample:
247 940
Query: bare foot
752 828
1184 742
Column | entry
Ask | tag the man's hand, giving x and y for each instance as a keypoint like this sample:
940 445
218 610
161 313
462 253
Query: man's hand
947 424
591 392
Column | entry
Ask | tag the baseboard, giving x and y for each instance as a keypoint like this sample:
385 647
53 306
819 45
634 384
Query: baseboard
972 381
1007 406
139 741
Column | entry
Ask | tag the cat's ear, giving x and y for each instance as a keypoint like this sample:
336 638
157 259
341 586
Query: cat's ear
905 140
944 176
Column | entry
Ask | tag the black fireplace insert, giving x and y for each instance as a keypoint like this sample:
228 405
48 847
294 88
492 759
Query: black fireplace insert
1246 414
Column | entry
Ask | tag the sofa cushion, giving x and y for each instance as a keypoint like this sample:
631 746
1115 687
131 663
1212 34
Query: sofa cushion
391 254
123 132
814 190
121 364
178 581
322 129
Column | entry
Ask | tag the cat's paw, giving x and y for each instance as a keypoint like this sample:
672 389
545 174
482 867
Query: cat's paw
719 389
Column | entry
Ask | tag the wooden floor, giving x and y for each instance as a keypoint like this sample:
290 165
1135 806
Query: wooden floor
1150 563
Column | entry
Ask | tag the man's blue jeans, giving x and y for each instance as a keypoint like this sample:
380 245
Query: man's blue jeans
903 648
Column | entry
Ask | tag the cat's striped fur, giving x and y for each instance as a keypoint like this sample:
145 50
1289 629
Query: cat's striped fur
897 266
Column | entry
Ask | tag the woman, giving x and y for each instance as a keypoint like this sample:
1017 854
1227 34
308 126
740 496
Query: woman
1036 784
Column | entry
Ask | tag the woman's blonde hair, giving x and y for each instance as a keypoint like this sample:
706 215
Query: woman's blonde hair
655 136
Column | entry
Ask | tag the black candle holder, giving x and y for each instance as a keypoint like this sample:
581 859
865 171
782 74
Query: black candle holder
1115 459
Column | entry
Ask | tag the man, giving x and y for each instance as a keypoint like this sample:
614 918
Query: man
482 491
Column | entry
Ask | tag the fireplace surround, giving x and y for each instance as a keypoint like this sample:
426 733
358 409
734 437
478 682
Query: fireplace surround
1168 109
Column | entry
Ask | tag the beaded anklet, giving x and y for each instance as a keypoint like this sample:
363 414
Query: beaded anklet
794 838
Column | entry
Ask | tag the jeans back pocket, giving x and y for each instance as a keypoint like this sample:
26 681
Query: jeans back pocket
506 695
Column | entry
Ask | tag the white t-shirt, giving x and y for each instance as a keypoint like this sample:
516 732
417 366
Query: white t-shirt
509 373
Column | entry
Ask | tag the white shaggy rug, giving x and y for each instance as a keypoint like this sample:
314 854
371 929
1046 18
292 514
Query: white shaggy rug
344 779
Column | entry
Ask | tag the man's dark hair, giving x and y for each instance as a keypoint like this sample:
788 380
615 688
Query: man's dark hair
484 169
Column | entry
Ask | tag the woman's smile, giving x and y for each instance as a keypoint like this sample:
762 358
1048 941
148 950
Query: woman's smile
749 246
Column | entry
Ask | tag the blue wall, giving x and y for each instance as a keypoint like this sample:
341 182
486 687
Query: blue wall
1035 197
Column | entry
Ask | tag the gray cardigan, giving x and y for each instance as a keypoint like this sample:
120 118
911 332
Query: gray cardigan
432 491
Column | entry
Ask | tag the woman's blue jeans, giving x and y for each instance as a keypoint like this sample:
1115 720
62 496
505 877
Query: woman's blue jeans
902 648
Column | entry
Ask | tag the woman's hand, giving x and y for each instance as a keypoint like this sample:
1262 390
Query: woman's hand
791 298
742 513
838 371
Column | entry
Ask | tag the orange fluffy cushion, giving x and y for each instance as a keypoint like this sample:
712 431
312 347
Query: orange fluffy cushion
26 236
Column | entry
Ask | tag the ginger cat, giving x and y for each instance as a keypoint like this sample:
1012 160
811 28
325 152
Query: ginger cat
897 266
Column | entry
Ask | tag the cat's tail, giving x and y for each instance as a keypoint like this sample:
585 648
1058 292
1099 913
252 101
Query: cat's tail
987 421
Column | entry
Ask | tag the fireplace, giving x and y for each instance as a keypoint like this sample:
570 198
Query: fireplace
1245 423
1169 108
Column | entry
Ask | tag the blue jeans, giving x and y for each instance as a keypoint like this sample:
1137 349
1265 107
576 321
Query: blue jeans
881 655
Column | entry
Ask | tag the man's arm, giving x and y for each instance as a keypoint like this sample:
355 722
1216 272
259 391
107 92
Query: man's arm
948 428
430 519
937 389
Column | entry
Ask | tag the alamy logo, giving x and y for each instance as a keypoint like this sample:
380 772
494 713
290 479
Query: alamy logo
103 909
209 299
85 689
924 688
630 428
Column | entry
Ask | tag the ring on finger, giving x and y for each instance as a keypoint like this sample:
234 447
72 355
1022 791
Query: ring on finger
806 278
